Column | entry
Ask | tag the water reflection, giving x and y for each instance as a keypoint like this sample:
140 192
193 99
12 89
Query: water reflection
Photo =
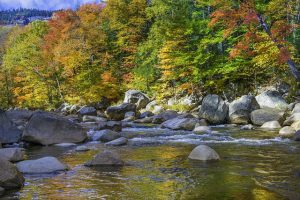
263 172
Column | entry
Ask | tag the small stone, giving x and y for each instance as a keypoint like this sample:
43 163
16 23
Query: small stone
202 129
118 142
82 148
65 145
271 125
247 127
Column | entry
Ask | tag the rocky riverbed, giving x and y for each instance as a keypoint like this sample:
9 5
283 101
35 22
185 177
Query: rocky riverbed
143 148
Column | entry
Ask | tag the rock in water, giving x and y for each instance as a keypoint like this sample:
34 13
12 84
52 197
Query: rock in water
47 129
240 109
118 142
204 153
107 158
105 136
12 154
118 112
272 99
136 97
9 133
214 109
287 131
271 125
181 124
202 129
44 165
261 116
164 116
10 177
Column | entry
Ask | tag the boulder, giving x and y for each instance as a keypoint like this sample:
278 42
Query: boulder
296 108
118 142
10 177
118 112
136 97
272 99
296 125
47 129
9 133
87 118
271 125
107 158
146 120
146 114
202 122
111 125
214 109
164 116
247 127
297 136
44 165
181 124
12 154
261 116
19 116
87 111
105 136
240 109
293 118
202 129
287 131
204 153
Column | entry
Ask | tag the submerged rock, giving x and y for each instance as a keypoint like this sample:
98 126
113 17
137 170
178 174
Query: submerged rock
272 99
106 158
12 154
261 116
204 153
9 133
136 97
47 129
181 124
271 125
118 142
240 109
214 109
44 165
10 177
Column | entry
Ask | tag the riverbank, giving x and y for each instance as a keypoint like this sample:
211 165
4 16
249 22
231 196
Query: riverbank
138 122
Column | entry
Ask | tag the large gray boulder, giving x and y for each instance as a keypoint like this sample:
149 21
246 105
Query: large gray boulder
47 129
10 177
9 133
240 109
214 109
204 153
261 116
164 116
12 154
44 165
181 123
118 112
136 97
107 158
272 99
105 136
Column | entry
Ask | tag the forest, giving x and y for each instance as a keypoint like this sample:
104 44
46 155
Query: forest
165 48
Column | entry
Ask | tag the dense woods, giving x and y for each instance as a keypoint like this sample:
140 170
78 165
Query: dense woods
163 47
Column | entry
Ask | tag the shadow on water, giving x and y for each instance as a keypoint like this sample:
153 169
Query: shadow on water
253 165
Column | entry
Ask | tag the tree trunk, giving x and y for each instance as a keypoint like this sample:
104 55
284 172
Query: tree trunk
295 72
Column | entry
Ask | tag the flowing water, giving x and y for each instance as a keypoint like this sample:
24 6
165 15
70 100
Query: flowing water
253 165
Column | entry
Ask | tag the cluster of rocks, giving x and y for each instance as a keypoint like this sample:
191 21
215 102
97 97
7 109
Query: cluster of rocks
69 125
